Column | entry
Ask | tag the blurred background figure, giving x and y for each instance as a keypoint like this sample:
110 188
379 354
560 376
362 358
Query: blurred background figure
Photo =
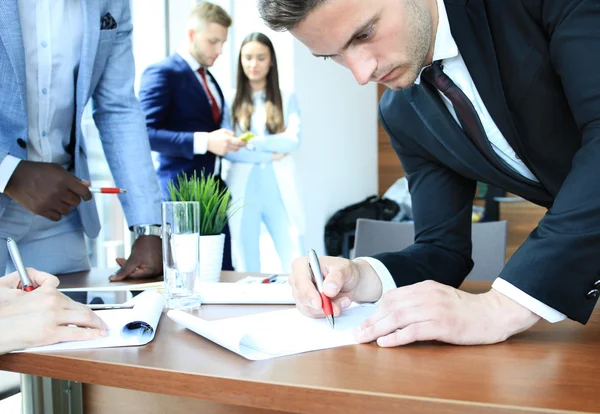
262 176
185 108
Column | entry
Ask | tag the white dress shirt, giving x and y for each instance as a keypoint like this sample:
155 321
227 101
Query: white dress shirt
446 50
201 138
52 55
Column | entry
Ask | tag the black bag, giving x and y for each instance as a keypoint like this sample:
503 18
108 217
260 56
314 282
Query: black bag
343 223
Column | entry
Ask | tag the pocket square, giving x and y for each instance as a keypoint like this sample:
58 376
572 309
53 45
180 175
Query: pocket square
108 22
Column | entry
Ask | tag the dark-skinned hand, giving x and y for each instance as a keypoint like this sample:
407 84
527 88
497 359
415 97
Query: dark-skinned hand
46 189
145 261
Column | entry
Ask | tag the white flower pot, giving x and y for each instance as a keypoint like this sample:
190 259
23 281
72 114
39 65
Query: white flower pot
211 257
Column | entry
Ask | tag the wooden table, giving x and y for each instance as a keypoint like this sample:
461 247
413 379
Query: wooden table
550 368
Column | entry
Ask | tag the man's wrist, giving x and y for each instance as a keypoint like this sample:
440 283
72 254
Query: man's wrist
514 317
147 230
369 287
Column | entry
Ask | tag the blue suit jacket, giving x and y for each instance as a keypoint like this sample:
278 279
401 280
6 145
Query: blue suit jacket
106 74
176 106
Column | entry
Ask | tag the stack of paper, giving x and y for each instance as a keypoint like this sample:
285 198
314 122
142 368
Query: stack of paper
279 333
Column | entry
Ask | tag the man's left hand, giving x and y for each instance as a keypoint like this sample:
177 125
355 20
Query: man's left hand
429 311
145 260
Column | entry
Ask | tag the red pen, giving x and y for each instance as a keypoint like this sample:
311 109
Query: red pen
271 279
107 190
15 255
315 270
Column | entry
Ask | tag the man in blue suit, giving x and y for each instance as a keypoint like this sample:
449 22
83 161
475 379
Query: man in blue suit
54 57
184 105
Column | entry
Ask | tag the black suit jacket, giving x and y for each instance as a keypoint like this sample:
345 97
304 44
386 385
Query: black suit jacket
536 65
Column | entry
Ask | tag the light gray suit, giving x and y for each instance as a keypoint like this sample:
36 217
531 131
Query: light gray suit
106 74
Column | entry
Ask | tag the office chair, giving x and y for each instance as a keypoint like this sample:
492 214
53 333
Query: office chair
489 243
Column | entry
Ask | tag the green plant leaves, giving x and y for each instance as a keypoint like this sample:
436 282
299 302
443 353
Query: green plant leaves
214 200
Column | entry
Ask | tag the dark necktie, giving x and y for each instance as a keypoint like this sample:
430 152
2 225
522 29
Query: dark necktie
213 103
466 114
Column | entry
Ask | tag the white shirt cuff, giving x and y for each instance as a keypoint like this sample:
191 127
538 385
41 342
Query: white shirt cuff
7 168
387 281
529 302
200 143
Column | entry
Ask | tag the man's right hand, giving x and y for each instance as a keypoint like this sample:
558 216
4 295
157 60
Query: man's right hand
344 282
46 189
222 141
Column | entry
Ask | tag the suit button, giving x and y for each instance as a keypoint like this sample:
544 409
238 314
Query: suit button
593 294
597 285
21 143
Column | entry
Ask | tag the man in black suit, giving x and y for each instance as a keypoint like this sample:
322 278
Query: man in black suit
501 92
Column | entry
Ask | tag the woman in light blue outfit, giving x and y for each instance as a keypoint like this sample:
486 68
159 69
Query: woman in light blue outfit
262 176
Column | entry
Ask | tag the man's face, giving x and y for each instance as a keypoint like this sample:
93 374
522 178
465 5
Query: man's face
206 42
384 41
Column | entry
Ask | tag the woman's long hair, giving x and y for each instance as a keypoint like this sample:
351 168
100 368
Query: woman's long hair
243 106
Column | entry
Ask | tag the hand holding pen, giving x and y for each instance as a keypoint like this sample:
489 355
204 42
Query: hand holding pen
344 281
317 277
15 255
11 286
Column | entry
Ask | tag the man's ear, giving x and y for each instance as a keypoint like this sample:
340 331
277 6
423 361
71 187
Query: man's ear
191 33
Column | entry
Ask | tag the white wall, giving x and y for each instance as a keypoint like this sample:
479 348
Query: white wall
149 40
338 157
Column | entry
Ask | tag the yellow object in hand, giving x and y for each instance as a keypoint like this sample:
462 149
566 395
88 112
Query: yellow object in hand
246 136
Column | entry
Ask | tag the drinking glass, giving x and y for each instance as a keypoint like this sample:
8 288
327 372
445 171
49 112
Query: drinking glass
181 261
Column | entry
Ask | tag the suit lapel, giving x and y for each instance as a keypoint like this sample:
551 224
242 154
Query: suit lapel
470 29
89 46
427 103
10 35
221 96
192 79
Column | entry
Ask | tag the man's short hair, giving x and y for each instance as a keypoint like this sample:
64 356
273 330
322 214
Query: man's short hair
206 12
282 15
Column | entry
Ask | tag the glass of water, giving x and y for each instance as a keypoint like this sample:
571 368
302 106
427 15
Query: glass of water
181 264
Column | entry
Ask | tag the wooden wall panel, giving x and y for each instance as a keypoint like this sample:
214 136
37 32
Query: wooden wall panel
389 167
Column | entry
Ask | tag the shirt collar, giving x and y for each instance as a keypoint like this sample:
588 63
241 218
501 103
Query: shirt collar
444 46
259 95
190 60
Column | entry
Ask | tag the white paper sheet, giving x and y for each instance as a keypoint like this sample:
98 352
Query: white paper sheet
147 309
279 333
240 293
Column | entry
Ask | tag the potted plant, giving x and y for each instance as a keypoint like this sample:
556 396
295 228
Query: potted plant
215 212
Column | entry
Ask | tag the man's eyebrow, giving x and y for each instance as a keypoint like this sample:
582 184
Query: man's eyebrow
356 33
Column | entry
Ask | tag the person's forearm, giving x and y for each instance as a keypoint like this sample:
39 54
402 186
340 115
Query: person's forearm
284 142
172 143
246 156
